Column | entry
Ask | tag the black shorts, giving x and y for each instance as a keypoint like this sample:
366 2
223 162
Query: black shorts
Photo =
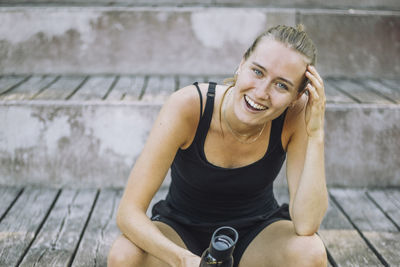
197 239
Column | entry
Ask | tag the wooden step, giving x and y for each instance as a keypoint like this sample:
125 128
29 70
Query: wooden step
75 227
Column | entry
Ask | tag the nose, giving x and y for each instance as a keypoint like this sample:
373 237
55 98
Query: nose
263 89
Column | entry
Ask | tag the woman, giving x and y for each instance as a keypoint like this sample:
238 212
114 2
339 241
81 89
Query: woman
224 157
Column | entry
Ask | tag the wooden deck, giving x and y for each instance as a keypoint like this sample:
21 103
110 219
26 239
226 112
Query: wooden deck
145 88
75 227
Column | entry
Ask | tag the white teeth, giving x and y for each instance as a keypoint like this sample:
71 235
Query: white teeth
253 104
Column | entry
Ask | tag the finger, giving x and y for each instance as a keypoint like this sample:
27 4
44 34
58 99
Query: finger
316 83
314 71
312 92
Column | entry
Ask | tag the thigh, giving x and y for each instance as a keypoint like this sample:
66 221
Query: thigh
279 245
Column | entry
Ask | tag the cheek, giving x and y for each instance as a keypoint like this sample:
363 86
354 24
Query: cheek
245 79
280 100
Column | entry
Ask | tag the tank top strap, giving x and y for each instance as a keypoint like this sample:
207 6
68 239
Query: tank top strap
205 120
201 98
276 129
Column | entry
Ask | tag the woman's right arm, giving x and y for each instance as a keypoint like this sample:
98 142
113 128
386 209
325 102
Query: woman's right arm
174 128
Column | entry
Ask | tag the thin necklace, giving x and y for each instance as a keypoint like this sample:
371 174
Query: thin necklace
237 134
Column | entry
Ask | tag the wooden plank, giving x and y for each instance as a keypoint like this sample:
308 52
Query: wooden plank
9 82
342 241
378 230
359 92
95 88
344 244
29 89
390 93
22 222
335 96
57 240
185 80
394 84
362 211
100 232
158 89
127 88
389 201
7 197
64 87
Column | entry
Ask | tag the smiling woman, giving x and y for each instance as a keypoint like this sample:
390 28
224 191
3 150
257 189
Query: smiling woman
224 157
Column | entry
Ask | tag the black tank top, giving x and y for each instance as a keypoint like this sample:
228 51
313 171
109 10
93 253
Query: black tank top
201 193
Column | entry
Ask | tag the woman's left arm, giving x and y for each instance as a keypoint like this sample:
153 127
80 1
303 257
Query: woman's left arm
305 163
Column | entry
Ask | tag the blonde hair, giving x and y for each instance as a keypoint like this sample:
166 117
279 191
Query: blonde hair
293 37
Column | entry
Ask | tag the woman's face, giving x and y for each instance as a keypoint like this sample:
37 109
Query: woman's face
267 82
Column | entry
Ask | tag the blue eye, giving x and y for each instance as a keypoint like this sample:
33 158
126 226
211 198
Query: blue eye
257 72
282 85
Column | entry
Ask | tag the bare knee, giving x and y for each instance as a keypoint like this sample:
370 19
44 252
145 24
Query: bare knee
307 251
124 253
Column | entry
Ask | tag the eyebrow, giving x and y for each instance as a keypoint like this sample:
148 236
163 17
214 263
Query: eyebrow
265 70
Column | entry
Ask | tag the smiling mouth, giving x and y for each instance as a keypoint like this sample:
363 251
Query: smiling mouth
253 105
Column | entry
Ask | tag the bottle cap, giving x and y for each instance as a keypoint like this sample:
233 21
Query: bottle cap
223 242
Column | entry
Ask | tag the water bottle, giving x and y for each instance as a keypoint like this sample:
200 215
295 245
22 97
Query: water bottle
219 254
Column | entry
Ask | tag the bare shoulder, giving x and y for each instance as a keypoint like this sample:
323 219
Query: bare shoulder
187 100
183 106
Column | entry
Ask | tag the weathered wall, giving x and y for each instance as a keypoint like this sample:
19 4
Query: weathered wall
73 144
360 4
96 144
191 40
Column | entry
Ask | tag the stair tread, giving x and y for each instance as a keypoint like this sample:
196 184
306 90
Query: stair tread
155 88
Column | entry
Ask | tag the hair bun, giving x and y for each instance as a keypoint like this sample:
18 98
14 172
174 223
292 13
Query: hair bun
300 27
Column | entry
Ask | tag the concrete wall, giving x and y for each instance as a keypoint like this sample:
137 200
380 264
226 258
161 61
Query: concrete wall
359 4
188 40
96 144
71 144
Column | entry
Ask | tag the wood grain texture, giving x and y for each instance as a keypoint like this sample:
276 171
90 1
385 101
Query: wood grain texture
127 88
64 87
378 230
394 84
342 241
7 196
95 88
101 231
359 92
159 88
362 211
11 81
390 93
389 201
22 222
347 248
29 89
333 95
56 242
